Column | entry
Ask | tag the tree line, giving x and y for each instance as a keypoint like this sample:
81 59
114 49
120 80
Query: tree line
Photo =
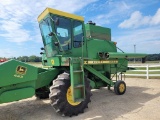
149 57
153 57
32 58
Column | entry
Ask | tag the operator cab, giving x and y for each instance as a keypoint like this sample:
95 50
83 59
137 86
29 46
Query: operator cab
61 32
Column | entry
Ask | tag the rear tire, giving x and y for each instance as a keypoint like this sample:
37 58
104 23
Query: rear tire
59 100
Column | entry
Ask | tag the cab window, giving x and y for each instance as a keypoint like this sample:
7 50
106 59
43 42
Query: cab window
77 34
63 31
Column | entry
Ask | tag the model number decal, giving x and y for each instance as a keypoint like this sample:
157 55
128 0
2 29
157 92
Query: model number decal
101 62
18 76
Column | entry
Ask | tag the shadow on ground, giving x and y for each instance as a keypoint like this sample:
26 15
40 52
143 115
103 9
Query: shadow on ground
105 105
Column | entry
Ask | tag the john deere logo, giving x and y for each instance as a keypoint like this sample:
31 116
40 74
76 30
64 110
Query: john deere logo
21 70
52 61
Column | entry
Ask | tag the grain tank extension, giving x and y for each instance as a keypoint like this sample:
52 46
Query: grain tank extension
76 57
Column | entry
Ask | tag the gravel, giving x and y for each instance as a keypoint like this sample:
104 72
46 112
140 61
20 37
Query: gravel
140 102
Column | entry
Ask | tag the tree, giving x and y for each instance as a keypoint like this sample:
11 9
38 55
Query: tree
32 58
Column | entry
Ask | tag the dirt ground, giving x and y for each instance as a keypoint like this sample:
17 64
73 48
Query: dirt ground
140 102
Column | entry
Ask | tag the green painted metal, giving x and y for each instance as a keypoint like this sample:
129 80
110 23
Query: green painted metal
15 78
16 94
77 79
65 61
97 84
101 46
19 80
112 55
54 61
97 32
14 72
92 84
45 77
100 84
98 74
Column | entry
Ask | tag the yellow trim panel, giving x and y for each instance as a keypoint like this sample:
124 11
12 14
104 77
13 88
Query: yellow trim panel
93 62
60 13
101 62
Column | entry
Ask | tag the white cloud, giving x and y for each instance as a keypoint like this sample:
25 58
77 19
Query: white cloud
69 6
147 40
112 11
15 14
7 52
156 18
14 32
137 20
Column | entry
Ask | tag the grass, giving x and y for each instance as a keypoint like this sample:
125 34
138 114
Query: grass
36 64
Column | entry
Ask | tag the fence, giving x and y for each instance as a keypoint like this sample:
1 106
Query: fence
147 70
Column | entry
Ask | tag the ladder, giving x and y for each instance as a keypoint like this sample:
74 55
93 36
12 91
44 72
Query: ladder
77 79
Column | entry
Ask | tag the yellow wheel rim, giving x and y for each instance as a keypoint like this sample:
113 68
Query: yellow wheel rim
121 87
69 98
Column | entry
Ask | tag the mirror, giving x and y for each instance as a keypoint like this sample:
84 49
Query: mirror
41 53
42 48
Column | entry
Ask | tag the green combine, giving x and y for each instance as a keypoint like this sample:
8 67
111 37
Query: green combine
76 57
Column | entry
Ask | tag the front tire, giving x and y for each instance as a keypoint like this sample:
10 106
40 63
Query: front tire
42 93
59 96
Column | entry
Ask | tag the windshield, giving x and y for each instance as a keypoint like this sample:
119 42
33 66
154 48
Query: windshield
63 32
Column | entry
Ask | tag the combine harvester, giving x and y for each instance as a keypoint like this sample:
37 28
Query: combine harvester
77 57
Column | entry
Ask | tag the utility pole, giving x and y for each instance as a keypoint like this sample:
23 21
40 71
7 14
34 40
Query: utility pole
134 52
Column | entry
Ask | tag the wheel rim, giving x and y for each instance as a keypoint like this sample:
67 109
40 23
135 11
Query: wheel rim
69 98
121 87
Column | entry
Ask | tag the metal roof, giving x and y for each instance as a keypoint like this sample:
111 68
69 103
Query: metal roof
57 12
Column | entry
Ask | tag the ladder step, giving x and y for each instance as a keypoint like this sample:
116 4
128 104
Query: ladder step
77 79
79 86
77 71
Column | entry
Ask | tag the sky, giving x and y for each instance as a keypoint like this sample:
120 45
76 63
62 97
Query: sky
132 22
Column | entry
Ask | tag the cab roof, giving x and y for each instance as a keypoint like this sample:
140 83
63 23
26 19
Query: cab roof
60 13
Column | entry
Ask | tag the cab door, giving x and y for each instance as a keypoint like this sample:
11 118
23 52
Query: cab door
46 31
